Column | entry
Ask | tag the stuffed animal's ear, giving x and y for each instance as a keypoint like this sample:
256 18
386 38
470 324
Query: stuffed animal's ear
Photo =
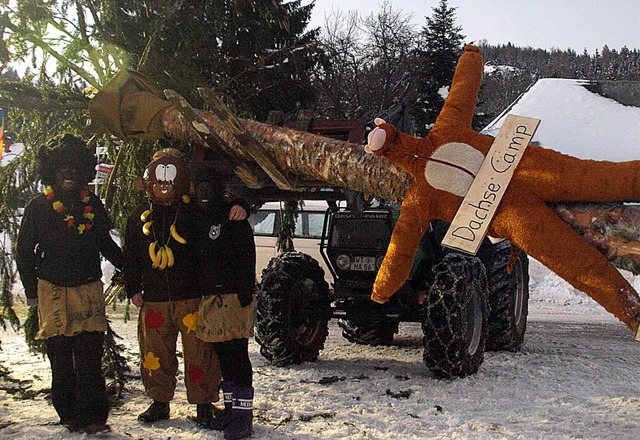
139 183
376 138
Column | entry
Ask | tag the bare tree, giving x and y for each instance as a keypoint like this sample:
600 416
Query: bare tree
366 65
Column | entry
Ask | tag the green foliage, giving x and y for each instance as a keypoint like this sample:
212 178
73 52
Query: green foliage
254 53
114 365
36 346
284 242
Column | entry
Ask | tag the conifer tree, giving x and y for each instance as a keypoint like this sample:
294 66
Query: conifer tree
255 53
436 57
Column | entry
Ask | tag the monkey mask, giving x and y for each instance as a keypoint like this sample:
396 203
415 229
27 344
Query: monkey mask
166 177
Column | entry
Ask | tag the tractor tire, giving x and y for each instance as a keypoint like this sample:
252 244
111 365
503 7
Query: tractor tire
293 310
370 333
455 324
508 299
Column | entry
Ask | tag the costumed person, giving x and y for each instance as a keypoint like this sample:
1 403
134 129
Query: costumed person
62 235
443 165
227 277
161 278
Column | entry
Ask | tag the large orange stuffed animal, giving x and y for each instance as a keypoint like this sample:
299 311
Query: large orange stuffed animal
443 165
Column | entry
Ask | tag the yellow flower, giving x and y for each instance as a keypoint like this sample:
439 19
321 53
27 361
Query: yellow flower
48 190
57 205
190 320
151 362
68 217
89 215
81 228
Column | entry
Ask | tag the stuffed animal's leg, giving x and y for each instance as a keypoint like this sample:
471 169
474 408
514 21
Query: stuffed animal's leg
534 227
565 178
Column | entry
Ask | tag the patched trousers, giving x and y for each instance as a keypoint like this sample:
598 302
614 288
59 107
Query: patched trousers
159 324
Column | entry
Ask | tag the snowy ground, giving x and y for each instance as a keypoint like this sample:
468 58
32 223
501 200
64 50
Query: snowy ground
575 378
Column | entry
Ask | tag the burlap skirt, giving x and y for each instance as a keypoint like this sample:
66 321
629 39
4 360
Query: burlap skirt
221 318
66 311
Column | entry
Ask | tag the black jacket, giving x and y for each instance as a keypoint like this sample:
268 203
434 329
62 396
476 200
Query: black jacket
227 254
51 248
172 283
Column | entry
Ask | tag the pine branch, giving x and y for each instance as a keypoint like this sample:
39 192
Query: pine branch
45 47
114 364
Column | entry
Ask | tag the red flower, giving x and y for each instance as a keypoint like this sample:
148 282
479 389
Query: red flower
196 374
88 208
70 223
87 226
153 320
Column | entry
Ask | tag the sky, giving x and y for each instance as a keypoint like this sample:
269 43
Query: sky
544 24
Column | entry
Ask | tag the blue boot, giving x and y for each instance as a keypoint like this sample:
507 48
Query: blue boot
222 420
241 425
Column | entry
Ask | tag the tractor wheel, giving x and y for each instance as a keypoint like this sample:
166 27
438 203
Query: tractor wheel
293 310
455 324
508 299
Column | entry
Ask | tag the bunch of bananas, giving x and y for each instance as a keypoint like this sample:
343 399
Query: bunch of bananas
161 255
161 258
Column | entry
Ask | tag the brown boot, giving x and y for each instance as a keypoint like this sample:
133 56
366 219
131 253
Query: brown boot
204 414
223 419
156 411
96 428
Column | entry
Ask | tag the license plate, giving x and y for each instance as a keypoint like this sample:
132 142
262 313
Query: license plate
366 264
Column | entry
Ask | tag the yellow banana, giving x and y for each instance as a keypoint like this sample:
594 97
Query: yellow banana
186 199
145 215
157 259
146 228
165 260
177 237
170 257
152 251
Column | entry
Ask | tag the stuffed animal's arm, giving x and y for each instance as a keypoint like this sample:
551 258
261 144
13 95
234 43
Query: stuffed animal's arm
397 147
463 94
402 249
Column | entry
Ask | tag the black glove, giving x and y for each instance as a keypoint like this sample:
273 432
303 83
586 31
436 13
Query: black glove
245 298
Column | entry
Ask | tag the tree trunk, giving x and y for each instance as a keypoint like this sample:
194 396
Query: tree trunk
312 157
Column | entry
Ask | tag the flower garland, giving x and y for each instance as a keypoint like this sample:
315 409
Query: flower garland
68 218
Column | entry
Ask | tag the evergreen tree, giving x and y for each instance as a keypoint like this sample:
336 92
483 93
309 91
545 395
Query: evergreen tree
436 57
255 53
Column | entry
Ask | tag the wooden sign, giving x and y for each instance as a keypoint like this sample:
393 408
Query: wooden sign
471 222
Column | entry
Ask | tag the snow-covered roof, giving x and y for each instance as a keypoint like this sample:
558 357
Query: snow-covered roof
578 121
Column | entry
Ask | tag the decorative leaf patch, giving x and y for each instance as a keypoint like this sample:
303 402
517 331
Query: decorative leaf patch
196 374
153 320
151 362
190 321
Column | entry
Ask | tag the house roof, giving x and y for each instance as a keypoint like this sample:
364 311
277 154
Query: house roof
582 118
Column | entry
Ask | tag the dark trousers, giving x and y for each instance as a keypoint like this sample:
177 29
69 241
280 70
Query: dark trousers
234 361
77 385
